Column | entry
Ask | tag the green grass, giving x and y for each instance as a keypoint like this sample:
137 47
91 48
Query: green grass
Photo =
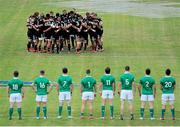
128 40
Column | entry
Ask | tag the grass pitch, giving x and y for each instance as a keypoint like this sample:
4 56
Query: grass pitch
128 40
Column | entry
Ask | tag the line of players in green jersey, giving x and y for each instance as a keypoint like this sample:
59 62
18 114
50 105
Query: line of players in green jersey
107 88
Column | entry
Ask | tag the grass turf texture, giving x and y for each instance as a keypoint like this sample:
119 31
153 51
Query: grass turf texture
128 40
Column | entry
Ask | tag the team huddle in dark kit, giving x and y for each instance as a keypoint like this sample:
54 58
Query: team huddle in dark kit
52 33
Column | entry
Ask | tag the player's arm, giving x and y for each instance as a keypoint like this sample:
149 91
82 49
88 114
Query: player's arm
50 88
114 88
119 88
8 91
134 88
100 89
71 88
154 90
23 91
33 85
95 89
139 89
57 88
81 89
47 29
174 86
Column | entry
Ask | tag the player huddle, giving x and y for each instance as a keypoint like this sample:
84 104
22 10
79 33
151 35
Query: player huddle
51 33
88 89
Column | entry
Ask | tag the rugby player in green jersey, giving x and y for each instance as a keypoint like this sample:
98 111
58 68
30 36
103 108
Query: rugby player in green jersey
107 91
15 94
40 86
64 89
125 91
147 85
168 85
88 92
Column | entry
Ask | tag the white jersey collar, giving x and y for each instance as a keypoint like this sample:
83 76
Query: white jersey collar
167 76
15 78
126 72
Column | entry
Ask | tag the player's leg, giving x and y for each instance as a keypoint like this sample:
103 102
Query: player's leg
131 108
104 99
44 101
68 101
151 109
61 102
38 104
103 108
11 101
123 98
164 101
90 102
84 99
151 106
82 108
171 102
111 108
78 47
122 109
19 110
130 100
44 109
111 104
19 105
143 103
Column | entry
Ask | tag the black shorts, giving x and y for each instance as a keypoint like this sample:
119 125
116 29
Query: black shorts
48 35
30 34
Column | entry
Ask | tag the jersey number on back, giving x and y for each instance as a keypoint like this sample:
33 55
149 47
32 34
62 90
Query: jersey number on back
15 87
108 82
168 84
42 85
64 83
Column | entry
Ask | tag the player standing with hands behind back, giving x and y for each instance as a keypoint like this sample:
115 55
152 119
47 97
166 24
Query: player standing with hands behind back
40 86
15 93
88 91
64 89
147 84
107 90
125 91
168 85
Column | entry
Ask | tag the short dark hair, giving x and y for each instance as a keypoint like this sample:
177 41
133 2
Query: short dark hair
88 71
65 70
42 72
168 71
107 70
127 68
16 73
148 71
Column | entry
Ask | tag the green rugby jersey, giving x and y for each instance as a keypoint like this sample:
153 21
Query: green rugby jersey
88 83
15 85
107 81
65 82
127 80
147 83
42 84
167 83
